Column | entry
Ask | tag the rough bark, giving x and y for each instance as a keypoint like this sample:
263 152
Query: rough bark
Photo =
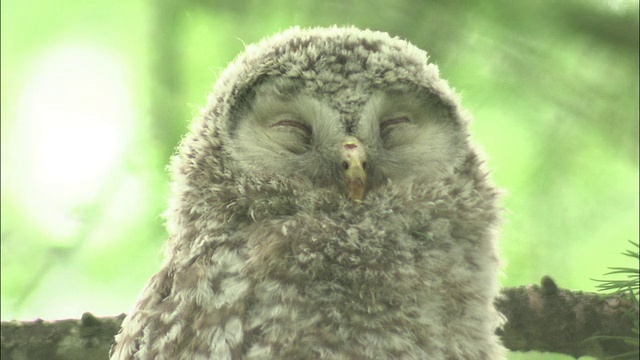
88 338
549 319
540 318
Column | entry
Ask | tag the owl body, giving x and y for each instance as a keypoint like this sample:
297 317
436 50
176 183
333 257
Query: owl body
328 204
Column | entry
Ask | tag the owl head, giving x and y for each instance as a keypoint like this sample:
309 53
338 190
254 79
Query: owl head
341 110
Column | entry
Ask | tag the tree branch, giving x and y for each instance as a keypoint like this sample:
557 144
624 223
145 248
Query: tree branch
540 318
549 319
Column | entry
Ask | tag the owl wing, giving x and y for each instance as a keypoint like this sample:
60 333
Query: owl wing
193 309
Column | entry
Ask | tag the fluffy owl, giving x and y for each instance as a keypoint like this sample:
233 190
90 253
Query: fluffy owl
326 204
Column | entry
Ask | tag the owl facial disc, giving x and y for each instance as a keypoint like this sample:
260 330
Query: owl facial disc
354 163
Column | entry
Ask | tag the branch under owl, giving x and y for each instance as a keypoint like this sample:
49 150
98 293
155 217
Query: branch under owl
546 318
540 318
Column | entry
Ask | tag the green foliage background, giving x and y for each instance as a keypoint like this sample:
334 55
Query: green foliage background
553 86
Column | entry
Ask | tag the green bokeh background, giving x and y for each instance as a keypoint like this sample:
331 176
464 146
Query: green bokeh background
96 95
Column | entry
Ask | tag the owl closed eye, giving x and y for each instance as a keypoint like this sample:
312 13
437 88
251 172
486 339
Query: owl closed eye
397 134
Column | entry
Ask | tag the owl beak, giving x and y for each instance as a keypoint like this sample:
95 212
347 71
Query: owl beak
354 163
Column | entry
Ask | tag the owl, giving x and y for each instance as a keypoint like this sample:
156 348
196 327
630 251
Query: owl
327 203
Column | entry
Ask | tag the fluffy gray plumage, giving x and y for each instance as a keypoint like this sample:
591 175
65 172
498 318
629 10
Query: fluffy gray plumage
327 203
